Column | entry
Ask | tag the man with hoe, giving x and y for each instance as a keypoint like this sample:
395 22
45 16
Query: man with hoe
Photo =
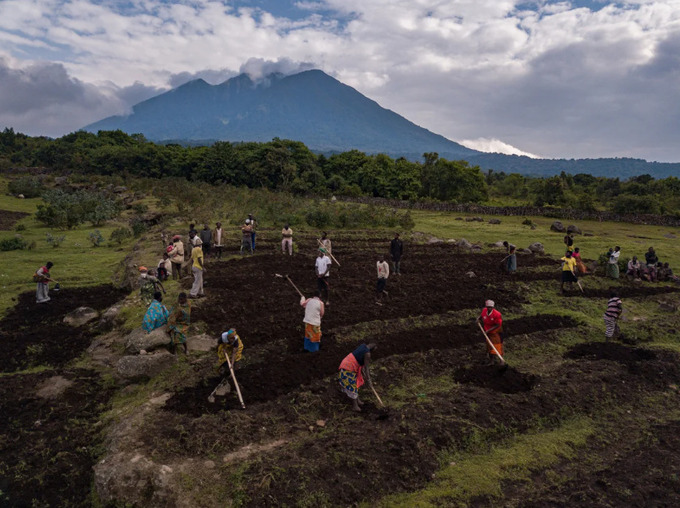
396 251
323 267
492 322
42 278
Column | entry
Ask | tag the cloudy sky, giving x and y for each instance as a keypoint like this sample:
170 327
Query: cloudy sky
553 78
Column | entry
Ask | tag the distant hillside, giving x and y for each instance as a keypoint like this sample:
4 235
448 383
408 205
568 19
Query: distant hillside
311 107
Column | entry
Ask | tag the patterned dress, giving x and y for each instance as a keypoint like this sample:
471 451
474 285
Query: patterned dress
155 317
178 323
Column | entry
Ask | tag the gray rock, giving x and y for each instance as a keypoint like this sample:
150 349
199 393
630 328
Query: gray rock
474 219
588 234
476 247
21 196
202 342
435 240
537 248
458 218
470 274
557 226
110 315
81 316
139 340
463 244
139 367
523 251
573 229
494 221
498 245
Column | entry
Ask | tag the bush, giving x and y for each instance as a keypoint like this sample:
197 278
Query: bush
69 209
119 235
54 241
140 208
16 243
139 227
29 186
96 238
20 227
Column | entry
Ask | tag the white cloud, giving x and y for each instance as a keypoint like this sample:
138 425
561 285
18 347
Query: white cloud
556 80
495 146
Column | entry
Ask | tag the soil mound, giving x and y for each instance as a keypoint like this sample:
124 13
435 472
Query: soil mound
610 351
35 334
8 219
49 446
500 379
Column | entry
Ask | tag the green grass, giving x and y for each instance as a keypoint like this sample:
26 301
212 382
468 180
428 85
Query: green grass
468 475
606 234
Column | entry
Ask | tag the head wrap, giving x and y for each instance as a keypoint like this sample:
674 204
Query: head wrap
143 269
176 237
490 303
227 334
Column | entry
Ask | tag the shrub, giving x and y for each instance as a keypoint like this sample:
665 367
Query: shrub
16 243
54 241
96 238
119 235
140 208
69 209
29 186
138 227
20 227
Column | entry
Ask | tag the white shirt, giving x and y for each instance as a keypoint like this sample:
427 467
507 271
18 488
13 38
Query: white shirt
313 311
218 233
614 258
383 269
323 264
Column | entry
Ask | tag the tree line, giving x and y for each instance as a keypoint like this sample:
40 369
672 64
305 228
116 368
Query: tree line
286 165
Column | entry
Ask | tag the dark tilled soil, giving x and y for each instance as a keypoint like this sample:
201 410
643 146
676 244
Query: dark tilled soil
8 219
287 370
503 379
48 447
628 474
34 334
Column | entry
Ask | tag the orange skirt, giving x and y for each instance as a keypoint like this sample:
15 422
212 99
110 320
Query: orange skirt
496 340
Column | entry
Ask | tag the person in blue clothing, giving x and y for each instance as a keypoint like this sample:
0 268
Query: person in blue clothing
352 372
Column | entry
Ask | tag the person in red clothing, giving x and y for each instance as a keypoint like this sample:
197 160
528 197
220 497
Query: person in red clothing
492 321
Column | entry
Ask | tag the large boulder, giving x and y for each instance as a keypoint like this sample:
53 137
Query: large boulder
139 340
81 316
138 367
111 315
557 226
203 343
537 248
494 221
573 229
463 244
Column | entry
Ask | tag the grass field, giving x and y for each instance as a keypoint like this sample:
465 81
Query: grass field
582 417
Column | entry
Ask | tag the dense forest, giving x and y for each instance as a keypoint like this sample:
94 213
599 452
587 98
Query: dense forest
290 166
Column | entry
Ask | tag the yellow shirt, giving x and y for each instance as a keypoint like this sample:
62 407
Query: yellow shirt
569 264
196 254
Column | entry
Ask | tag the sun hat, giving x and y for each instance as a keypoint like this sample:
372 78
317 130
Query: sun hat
489 303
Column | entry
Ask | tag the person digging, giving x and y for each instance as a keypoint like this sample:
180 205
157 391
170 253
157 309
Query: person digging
568 270
229 349
352 372
492 323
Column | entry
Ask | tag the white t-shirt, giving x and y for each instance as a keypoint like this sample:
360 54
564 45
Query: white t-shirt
313 308
218 233
614 257
322 264
383 269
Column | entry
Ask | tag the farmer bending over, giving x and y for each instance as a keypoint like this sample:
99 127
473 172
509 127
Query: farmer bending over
352 371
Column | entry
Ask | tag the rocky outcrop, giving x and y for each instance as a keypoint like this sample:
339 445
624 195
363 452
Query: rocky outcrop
202 343
81 316
463 244
139 340
146 366
573 229
494 221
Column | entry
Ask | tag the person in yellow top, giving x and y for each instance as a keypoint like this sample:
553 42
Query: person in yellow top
287 239
229 346
197 270
568 270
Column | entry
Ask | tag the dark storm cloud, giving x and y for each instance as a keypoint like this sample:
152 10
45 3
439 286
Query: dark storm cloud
43 99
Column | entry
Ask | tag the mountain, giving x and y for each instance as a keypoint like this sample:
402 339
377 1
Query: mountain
311 107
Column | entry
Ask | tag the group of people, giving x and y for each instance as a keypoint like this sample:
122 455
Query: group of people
652 270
